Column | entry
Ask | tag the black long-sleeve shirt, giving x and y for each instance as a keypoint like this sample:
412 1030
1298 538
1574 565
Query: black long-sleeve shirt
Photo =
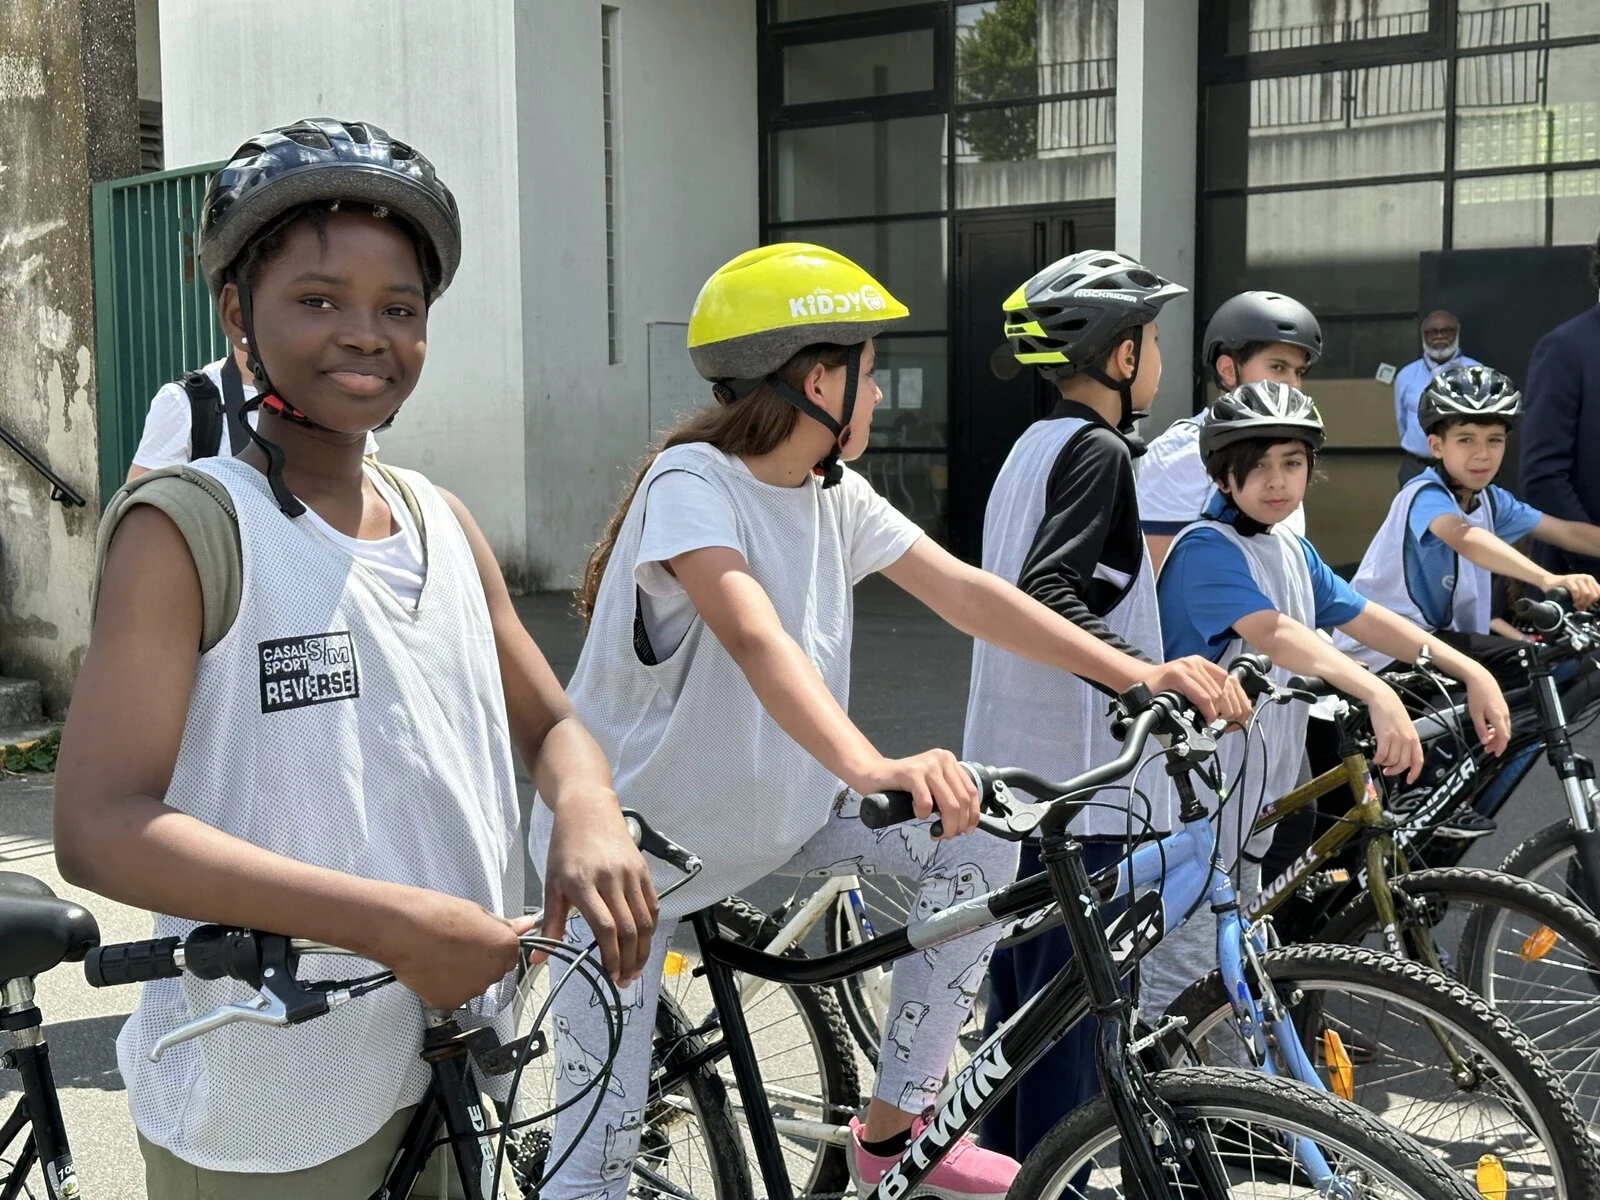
1089 549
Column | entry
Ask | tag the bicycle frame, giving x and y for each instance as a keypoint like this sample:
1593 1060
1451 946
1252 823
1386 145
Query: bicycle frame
39 1109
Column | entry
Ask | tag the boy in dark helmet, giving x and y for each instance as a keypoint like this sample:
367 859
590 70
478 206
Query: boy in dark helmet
1450 528
1252 338
329 678
1238 580
1062 523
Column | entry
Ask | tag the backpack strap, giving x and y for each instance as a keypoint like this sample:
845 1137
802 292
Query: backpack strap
203 511
233 404
205 415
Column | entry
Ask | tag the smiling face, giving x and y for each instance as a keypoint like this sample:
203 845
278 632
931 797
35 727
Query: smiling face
341 319
1275 486
1470 454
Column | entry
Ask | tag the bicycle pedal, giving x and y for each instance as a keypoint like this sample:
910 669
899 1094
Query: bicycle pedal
1323 882
1163 1027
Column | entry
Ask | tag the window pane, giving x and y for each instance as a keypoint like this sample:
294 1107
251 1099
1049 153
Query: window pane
1260 26
1018 49
907 257
886 65
1037 153
1577 217
1503 210
1504 22
802 10
865 169
1349 250
914 376
1354 346
1529 107
1370 121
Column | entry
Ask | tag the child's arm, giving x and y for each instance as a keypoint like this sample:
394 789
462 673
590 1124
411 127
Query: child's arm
1490 552
592 865
985 606
1294 647
115 836
1506 629
739 612
1391 634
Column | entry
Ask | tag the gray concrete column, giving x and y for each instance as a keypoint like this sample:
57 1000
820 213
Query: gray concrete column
1157 105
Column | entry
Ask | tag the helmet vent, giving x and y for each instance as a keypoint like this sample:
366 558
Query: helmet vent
1066 281
1142 279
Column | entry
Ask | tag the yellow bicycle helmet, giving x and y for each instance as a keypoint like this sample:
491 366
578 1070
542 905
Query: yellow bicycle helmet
758 311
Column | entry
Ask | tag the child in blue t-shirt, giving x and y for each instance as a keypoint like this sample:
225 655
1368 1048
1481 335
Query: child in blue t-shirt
1236 580
1449 530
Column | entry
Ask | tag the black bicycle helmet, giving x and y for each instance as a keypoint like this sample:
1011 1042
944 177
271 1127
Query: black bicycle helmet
1270 410
1471 393
1068 316
319 161
1260 317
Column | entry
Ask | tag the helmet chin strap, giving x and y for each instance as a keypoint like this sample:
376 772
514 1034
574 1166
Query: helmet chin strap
727 391
1122 387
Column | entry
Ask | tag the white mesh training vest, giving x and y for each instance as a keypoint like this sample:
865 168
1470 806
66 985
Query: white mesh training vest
689 744
1024 714
1383 577
334 725
1277 749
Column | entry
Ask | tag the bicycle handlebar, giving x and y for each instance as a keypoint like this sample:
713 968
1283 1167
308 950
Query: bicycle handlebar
268 961
1547 615
1168 715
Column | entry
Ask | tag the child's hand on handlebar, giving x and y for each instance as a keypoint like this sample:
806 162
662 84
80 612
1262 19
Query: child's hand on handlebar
936 782
1399 749
448 950
1584 590
1205 685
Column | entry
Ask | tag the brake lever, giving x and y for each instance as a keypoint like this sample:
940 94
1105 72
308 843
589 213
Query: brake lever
264 1009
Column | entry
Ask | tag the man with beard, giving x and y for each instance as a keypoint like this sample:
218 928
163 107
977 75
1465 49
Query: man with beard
1441 348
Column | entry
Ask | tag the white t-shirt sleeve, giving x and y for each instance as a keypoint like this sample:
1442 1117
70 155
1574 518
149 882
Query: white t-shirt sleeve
683 512
1173 487
165 440
876 532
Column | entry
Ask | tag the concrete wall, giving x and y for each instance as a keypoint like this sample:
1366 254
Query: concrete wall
442 77
59 136
687 154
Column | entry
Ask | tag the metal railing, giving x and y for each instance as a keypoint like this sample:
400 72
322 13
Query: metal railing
60 490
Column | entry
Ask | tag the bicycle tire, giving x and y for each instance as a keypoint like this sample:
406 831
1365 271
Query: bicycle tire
1348 1135
832 1051
1520 1110
728 1166
1550 858
1560 1016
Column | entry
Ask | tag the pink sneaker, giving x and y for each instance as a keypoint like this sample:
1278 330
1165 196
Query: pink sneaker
967 1172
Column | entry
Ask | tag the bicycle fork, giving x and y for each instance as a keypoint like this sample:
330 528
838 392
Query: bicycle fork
1577 780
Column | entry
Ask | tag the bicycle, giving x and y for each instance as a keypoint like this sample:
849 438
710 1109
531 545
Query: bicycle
490 1141
1173 1126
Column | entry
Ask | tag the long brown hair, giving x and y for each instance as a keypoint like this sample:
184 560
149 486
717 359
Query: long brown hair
757 423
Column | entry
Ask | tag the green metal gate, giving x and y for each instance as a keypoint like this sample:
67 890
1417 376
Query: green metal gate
153 316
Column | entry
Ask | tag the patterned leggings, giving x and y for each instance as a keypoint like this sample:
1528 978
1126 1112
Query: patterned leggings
931 995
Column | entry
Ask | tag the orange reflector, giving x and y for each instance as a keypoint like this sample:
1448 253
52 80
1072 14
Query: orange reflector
1491 1179
1341 1074
1537 944
675 964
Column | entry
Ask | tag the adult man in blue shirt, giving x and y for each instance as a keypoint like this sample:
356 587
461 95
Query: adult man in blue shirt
1441 348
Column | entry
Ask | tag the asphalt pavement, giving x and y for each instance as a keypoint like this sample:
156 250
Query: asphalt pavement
908 693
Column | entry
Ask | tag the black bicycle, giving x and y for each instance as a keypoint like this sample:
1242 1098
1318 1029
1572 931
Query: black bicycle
1155 1136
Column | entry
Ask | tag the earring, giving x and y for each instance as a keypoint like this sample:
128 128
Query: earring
244 341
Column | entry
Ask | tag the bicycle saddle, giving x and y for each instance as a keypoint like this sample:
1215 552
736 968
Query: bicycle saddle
38 930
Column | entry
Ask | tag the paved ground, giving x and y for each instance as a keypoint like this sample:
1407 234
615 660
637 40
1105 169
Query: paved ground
909 693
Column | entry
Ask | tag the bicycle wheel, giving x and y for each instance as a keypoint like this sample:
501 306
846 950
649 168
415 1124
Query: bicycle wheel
689 1143
806 1056
1550 858
1374 1023
1244 1119
884 903
1533 955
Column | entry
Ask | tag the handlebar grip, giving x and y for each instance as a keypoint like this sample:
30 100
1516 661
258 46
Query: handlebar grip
132 962
652 842
1544 615
1314 684
883 809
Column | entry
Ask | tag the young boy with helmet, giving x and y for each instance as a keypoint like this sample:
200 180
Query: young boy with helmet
1449 530
1238 580
1063 524
716 675
1252 338
329 677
